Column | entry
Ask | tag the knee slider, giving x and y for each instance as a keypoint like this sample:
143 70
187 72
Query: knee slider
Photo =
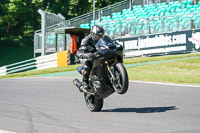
85 70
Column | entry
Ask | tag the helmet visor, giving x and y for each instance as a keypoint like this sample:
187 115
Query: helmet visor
97 37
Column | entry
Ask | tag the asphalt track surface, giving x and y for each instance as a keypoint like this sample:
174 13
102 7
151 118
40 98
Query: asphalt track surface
54 105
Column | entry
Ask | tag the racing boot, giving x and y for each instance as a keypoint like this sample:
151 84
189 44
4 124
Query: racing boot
85 72
85 85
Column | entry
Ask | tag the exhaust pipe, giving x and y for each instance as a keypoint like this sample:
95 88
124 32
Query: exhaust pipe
78 84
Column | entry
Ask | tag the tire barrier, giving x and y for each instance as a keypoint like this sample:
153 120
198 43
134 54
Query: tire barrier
3 70
68 57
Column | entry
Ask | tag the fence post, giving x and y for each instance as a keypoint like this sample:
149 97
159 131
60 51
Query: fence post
130 3
192 24
93 9
120 29
163 26
42 13
148 28
101 13
144 2
177 22
63 18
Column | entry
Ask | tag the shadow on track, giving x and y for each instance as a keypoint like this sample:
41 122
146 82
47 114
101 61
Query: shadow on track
142 110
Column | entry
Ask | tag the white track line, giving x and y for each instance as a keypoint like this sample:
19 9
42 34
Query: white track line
4 131
159 83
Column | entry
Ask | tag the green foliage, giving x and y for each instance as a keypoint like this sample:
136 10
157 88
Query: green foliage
13 54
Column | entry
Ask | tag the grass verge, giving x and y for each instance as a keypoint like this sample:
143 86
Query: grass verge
182 72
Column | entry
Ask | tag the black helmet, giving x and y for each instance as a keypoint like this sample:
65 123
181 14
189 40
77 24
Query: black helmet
97 32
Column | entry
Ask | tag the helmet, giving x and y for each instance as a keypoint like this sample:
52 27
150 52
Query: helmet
97 32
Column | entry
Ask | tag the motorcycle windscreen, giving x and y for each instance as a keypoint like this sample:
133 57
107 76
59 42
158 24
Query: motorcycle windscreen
104 42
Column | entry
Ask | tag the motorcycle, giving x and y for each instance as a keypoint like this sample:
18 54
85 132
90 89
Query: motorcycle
108 75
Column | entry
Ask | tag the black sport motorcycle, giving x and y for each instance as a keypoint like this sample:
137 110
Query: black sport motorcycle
108 75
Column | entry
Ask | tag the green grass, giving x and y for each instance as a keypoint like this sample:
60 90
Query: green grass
184 71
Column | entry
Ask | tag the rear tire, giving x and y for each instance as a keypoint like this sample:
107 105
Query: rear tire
123 78
93 103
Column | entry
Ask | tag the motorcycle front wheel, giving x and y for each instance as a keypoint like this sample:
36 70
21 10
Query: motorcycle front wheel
121 79
93 103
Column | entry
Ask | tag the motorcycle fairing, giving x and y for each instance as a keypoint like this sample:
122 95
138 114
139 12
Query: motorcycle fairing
98 78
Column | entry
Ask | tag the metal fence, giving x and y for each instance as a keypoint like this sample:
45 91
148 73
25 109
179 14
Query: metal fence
42 38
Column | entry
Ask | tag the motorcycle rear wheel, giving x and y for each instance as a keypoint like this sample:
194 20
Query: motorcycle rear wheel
93 104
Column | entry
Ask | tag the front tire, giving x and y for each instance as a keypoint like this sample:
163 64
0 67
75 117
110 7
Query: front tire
93 103
121 83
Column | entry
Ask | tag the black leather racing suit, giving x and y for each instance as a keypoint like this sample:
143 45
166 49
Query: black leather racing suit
86 53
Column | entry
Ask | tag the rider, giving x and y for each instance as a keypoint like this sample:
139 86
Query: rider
87 52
